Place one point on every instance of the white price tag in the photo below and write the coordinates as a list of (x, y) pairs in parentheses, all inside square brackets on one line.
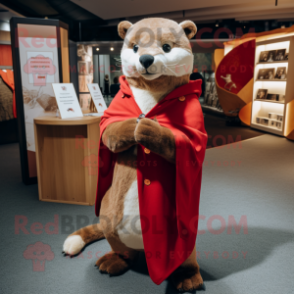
[(67, 100), (97, 97)]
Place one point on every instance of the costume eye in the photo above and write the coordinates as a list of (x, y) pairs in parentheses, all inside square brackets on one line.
[(166, 48), (135, 48)]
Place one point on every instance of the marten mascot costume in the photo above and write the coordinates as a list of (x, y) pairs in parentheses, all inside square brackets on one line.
[(152, 146)]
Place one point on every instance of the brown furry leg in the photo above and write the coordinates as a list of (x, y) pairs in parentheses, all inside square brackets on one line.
[(187, 277), (119, 260)]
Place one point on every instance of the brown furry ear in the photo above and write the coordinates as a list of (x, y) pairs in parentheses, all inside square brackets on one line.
[(123, 27), (189, 28)]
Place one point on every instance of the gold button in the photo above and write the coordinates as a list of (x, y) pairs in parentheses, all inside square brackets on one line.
[(182, 98), (147, 182), (146, 150)]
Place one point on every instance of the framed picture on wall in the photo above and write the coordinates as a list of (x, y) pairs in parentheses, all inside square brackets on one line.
[(263, 57), (281, 73), (273, 97), (261, 94), (271, 56), (266, 74), (280, 54)]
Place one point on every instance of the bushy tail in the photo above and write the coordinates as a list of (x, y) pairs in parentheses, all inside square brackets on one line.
[(75, 242)]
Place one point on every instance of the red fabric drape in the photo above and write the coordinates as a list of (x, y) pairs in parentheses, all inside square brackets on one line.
[(5, 55)]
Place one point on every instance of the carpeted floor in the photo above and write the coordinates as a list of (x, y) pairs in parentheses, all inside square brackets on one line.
[(253, 182)]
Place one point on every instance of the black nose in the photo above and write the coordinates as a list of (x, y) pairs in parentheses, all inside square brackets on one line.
[(146, 60)]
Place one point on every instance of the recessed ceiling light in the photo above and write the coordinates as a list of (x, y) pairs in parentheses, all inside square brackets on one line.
[(216, 24), (111, 48), (97, 49)]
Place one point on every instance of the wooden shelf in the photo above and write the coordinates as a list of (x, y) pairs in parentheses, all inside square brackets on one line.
[(274, 128), (269, 101), (273, 62), (273, 80), (267, 129)]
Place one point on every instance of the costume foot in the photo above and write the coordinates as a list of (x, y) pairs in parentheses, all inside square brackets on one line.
[(73, 245), (112, 264), (187, 279)]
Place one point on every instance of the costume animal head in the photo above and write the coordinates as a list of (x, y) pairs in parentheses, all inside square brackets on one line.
[(156, 51)]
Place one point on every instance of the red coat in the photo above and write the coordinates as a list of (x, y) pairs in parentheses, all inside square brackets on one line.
[(169, 206)]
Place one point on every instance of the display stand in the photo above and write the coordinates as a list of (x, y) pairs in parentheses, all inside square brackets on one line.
[(272, 112), (67, 159), (40, 58)]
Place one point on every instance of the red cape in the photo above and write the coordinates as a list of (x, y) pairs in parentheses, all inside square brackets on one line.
[(169, 206)]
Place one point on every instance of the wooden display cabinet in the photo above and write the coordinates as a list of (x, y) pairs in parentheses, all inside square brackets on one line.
[(274, 115), (67, 159)]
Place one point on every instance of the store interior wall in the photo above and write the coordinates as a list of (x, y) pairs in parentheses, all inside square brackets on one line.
[(104, 69), (102, 65), (73, 61), (96, 66), (106, 61)]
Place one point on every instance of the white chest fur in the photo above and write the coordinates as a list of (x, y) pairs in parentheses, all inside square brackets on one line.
[(145, 100), (129, 229)]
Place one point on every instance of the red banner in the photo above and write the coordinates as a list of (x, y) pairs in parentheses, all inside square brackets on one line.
[(236, 68)]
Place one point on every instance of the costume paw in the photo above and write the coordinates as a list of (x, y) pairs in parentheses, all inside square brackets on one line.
[(146, 130), (73, 245), (185, 282), (112, 264), (119, 136), (158, 139)]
